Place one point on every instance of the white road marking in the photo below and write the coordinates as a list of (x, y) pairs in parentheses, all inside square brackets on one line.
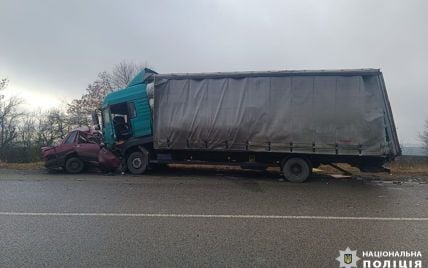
[(225, 216)]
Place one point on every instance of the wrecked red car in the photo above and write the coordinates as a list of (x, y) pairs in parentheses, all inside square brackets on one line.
[(78, 150)]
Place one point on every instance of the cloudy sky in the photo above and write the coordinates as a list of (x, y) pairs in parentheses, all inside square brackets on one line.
[(50, 49)]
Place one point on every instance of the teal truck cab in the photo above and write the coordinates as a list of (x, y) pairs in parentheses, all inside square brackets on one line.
[(296, 120), (127, 124)]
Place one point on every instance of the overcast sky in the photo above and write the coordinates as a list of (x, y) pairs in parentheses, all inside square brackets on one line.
[(50, 49)]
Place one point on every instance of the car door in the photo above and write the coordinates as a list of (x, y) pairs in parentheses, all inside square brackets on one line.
[(86, 149), (66, 147)]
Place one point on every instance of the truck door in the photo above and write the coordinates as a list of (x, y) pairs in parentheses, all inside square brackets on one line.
[(108, 131)]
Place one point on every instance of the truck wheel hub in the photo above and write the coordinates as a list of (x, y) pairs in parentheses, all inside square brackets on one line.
[(137, 162), (296, 169)]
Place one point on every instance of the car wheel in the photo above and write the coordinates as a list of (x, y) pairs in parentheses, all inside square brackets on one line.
[(296, 169), (137, 162), (74, 165)]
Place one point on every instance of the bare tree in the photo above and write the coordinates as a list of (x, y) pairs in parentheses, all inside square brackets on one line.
[(27, 130), (424, 135), (124, 72), (3, 83), (105, 82), (26, 148), (52, 127), (9, 116), (9, 119), (79, 110), (78, 113)]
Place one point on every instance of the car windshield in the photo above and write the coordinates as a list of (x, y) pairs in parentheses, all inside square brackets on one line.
[(71, 138)]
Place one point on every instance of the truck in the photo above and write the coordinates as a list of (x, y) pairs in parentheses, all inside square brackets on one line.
[(296, 120)]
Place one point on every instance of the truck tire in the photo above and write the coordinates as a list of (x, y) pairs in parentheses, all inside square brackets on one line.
[(296, 169), (137, 162), (74, 165)]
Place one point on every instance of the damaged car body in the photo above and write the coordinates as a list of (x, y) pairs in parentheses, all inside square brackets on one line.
[(79, 149)]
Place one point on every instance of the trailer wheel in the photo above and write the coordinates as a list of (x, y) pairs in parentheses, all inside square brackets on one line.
[(296, 169), (137, 162), (74, 165)]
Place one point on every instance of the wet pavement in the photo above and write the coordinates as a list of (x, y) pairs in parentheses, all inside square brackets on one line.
[(198, 218)]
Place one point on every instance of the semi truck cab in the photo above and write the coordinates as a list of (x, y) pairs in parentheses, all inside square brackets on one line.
[(127, 123), (126, 113)]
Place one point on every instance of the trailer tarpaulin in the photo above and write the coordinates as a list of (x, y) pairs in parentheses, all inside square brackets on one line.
[(329, 112)]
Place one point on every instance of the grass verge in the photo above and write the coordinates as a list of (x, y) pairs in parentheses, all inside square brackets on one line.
[(22, 166)]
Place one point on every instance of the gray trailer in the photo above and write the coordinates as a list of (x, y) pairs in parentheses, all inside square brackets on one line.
[(294, 119)]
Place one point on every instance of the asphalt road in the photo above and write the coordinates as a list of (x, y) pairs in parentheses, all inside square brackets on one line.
[(203, 218)]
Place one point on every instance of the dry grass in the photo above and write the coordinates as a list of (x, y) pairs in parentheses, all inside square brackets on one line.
[(410, 164), (409, 168), (400, 166), (22, 166)]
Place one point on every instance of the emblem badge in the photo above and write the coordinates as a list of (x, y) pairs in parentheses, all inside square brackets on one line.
[(348, 258)]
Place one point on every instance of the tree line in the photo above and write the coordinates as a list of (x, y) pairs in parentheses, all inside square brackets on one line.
[(23, 133)]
